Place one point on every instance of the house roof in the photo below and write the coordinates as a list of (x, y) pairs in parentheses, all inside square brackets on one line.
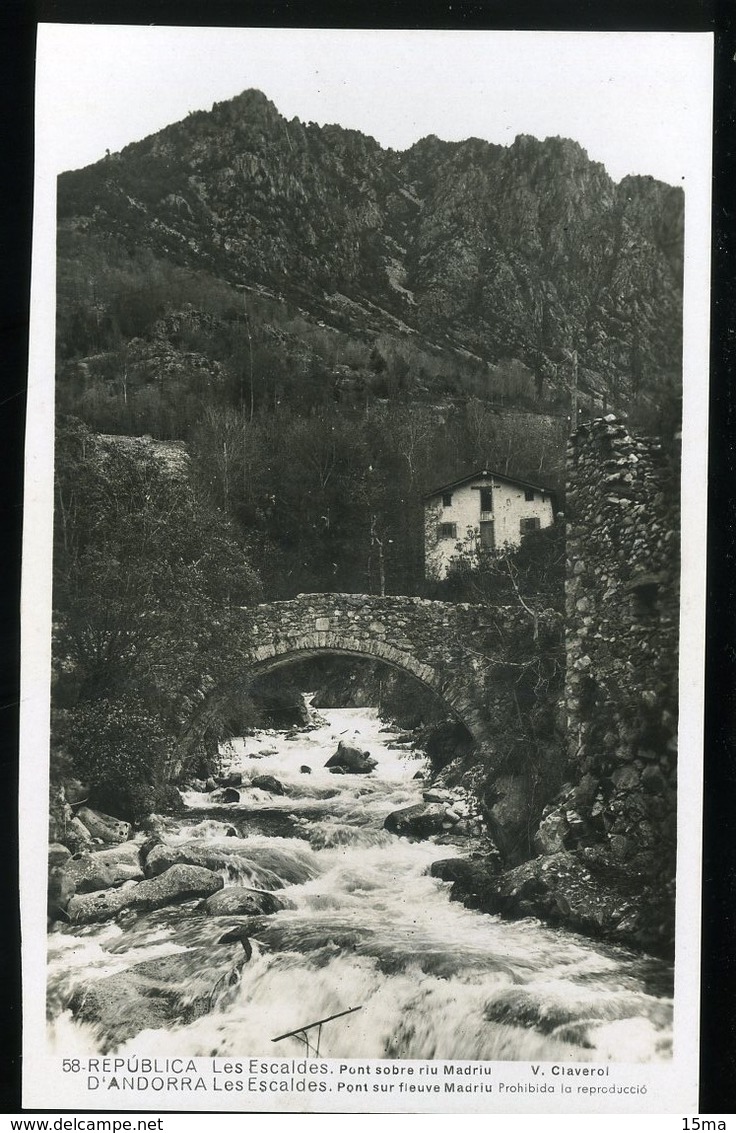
[(486, 473)]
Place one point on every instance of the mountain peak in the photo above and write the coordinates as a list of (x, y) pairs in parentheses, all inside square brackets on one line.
[(251, 103), (253, 98)]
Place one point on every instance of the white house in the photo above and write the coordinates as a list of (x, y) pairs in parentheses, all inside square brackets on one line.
[(486, 510)]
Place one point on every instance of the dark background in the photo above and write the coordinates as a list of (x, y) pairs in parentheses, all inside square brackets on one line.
[(18, 20)]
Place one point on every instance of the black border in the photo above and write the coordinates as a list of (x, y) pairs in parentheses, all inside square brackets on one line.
[(17, 33), (718, 971), (18, 22)]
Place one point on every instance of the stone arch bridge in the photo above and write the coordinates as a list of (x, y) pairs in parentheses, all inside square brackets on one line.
[(448, 647)]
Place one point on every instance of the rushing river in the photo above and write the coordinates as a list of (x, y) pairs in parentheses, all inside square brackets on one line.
[(365, 926)]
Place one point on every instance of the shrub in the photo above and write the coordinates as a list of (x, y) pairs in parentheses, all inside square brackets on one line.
[(121, 750)]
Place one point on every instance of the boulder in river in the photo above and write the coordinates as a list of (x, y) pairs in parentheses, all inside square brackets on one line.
[(351, 760), (233, 857), (225, 795), (473, 879), (268, 783), (239, 900), (305, 769), (104, 826), (179, 883), (105, 869), (232, 779), (158, 993), (162, 857), (419, 821)]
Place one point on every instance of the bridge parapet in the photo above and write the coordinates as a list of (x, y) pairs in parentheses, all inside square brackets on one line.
[(412, 621)]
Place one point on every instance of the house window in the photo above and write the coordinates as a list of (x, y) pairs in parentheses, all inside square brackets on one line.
[(527, 525), (447, 531), (528, 494), (486, 499), (447, 499)]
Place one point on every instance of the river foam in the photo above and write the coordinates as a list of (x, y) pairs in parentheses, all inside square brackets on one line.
[(363, 925)]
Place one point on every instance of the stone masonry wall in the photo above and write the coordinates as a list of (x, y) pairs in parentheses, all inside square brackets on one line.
[(622, 598), (442, 644)]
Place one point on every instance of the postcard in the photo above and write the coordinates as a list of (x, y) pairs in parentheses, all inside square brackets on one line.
[(364, 571)]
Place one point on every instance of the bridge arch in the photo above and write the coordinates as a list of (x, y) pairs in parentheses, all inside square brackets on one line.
[(427, 640), (458, 702)]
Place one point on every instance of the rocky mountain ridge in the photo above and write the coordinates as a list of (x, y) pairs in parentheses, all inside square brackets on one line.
[(528, 252)]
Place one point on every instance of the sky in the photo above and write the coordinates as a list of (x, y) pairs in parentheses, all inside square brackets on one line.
[(638, 102)]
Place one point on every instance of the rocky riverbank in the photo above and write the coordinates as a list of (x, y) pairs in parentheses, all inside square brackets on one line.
[(583, 891), (163, 870), (586, 890), (134, 872)]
